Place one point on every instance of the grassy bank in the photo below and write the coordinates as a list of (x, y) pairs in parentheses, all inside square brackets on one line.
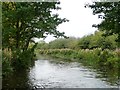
[(95, 57)]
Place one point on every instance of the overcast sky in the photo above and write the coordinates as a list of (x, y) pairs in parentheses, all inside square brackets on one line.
[(80, 19)]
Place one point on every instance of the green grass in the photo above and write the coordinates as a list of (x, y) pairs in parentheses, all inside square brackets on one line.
[(95, 57)]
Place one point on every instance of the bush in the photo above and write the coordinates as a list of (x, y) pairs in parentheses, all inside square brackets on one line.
[(22, 60)]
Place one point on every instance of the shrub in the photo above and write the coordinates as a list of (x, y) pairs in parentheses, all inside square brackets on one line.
[(22, 60)]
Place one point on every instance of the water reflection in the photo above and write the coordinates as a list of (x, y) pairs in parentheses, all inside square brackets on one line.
[(51, 74), (60, 74)]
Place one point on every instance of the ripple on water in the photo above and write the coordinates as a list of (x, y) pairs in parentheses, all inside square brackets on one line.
[(51, 74)]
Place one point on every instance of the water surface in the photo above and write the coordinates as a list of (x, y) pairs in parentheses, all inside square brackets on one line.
[(57, 74)]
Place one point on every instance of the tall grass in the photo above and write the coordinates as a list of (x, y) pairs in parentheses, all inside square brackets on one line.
[(95, 57), (16, 60)]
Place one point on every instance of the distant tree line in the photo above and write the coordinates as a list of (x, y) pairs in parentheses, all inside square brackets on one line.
[(96, 40)]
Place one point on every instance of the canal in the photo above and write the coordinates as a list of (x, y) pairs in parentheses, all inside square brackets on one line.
[(45, 73)]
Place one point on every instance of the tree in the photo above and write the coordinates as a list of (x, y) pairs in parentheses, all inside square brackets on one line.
[(71, 43), (110, 13), (99, 41), (58, 43), (84, 42), (42, 45), (23, 21)]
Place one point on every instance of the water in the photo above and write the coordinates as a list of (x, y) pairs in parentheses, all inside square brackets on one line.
[(57, 74)]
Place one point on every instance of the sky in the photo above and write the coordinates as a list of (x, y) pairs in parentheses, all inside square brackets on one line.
[(80, 19)]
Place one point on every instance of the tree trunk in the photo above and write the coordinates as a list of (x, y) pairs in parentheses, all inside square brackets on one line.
[(17, 34), (26, 44)]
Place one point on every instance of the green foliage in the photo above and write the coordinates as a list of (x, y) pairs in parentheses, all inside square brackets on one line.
[(42, 45), (97, 41), (21, 23), (94, 58), (60, 43), (84, 42), (26, 20), (110, 13), (23, 60), (94, 49)]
